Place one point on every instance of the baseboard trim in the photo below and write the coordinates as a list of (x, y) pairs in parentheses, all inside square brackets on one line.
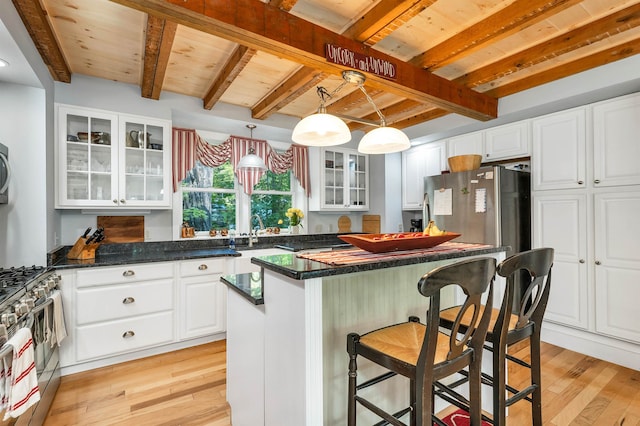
[(606, 348)]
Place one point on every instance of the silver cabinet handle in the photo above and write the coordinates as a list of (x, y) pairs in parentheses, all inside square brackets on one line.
[(596, 181), (128, 300), (127, 334), (598, 262), (580, 182), (115, 201), (581, 261), (123, 201), (203, 267), (128, 273)]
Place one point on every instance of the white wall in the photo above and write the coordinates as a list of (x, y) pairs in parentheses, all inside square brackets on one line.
[(23, 228)]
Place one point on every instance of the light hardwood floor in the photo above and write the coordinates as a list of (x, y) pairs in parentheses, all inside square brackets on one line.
[(187, 387)]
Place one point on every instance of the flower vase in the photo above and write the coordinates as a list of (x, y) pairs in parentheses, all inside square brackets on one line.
[(295, 229)]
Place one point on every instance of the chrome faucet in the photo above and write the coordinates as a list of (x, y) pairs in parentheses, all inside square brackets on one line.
[(253, 234), (259, 221)]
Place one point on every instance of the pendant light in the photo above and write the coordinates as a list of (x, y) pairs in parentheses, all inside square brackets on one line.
[(251, 162), (323, 129)]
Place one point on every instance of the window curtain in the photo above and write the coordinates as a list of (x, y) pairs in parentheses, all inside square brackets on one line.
[(188, 147)]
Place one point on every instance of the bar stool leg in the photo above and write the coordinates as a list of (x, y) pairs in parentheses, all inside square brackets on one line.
[(499, 384), (536, 380), (353, 375)]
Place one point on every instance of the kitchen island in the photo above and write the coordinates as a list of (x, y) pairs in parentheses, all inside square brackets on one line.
[(286, 357)]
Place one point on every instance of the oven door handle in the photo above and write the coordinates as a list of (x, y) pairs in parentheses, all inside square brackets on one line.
[(5, 160)]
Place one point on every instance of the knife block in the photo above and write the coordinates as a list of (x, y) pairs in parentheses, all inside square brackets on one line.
[(82, 251)]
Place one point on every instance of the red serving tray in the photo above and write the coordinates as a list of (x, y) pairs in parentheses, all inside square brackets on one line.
[(381, 243)]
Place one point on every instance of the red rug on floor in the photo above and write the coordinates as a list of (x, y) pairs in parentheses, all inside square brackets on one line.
[(460, 418)]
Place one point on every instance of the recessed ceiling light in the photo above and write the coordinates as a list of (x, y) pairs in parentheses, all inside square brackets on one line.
[(3, 63)]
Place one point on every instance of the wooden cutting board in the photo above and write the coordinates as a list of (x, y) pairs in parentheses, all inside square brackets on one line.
[(122, 229), (344, 224), (371, 223)]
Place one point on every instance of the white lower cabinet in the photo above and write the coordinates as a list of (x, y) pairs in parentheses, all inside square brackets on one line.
[(118, 313), (617, 264), (203, 298), (593, 303)]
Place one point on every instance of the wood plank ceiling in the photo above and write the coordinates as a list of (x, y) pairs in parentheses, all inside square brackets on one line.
[(451, 55)]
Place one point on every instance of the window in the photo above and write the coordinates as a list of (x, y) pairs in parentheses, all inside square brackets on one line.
[(209, 197), (213, 199)]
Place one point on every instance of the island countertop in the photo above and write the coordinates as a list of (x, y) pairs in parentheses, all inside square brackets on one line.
[(300, 268)]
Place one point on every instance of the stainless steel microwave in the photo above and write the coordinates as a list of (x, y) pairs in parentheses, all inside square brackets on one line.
[(5, 174)]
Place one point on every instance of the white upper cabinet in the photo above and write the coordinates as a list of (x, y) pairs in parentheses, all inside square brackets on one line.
[(417, 163), (559, 150), (508, 141), (471, 143), (343, 177), (616, 133), (106, 159)]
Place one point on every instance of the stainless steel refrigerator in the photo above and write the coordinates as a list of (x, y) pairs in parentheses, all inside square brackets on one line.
[(490, 205)]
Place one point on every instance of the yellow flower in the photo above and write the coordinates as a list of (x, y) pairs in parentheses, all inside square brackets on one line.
[(280, 222), (294, 215)]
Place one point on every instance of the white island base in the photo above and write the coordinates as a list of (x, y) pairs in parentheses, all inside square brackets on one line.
[(287, 360)]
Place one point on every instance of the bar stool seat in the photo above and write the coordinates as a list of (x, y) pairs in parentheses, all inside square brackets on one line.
[(421, 352)]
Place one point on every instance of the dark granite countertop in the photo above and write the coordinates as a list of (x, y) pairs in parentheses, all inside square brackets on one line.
[(298, 268), (167, 251), (247, 285)]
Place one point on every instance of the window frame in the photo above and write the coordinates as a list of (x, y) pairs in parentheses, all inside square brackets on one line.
[(243, 200)]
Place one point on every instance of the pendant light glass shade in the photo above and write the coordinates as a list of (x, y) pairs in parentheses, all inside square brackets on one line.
[(251, 162), (384, 140), (321, 129)]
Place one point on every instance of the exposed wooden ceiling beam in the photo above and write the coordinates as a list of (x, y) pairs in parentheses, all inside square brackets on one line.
[(585, 35), (384, 18), (393, 113), (157, 48), (260, 26), (603, 57), (235, 64), (293, 87), (513, 18), (286, 5), (35, 21), (430, 114)]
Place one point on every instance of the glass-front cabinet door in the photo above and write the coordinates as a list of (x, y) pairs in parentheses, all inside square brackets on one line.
[(345, 179), (144, 166), (87, 157), (112, 160)]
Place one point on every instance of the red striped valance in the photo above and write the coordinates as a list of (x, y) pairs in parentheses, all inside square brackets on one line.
[(188, 147)]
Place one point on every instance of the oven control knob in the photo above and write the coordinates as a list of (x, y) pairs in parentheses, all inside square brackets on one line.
[(20, 309), (9, 319), (40, 292), (30, 302)]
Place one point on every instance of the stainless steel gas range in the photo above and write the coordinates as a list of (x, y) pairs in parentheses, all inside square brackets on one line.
[(25, 302)]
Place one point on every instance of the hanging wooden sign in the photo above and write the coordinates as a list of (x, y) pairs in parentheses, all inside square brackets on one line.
[(358, 61)]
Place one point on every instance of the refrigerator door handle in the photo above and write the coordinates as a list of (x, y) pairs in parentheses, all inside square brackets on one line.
[(426, 209)]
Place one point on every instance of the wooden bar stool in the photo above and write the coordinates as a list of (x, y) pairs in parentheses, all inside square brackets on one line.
[(506, 328), (424, 354)]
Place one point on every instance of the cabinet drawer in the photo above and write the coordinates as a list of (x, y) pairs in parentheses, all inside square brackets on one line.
[(105, 339), (196, 267), (119, 301), (124, 274)]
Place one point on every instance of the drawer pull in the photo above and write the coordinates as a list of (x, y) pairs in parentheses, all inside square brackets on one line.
[(128, 334), (203, 267), (128, 300), (128, 273)]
